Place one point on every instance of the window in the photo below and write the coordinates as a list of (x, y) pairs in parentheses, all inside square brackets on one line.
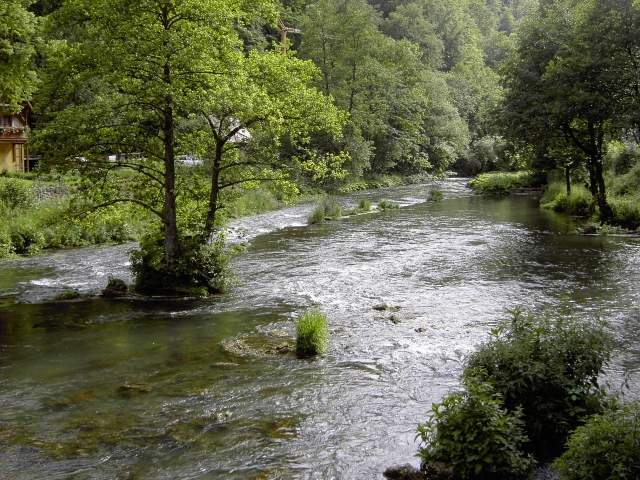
[(5, 121)]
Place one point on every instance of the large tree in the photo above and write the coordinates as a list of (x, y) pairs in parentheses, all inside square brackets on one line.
[(560, 90), (124, 79), (18, 78)]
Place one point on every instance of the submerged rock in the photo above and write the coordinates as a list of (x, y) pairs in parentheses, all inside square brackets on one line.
[(129, 390), (382, 307), (259, 345)]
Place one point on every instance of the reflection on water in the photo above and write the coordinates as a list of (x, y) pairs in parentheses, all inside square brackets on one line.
[(106, 389)]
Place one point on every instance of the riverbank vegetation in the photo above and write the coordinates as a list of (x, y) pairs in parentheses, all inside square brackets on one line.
[(570, 108), (533, 391)]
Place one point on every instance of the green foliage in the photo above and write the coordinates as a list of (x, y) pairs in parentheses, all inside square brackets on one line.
[(68, 294), (363, 207), (26, 237), (472, 432), (628, 183), (388, 205), (579, 203), (549, 369), (436, 196), (606, 447), (30, 226), (501, 183), (622, 157), (201, 268), (626, 211), (17, 37), (6, 245), (328, 209), (312, 333), (16, 193), (251, 202)]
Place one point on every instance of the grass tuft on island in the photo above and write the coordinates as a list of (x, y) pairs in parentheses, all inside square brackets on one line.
[(312, 333)]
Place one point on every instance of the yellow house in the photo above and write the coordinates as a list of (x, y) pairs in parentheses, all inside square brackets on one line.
[(13, 139)]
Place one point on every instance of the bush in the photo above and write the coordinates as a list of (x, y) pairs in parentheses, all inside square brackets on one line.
[(435, 196), (627, 184), (327, 209), (312, 333), (579, 203), (16, 193), (623, 157), (388, 205), (26, 238), (502, 183), (606, 447), (550, 370), (200, 269), (6, 246), (472, 432), (626, 211)]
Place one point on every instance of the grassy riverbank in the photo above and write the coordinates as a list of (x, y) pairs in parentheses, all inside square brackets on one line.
[(39, 213), (623, 195)]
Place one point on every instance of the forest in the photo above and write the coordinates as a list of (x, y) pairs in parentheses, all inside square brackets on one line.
[(324, 170)]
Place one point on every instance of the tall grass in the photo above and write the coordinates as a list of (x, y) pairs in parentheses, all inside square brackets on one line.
[(579, 203), (501, 183), (327, 209), (312, 333), (28, 226)]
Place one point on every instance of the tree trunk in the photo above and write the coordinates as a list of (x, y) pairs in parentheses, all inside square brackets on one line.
[(606, 213), (210, 221), (567, 178), (169, 211)]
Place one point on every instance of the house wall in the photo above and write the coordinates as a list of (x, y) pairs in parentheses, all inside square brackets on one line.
[(7, 163)]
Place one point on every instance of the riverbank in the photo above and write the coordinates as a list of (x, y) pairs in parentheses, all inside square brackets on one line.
[(624, 198), (40, 213)]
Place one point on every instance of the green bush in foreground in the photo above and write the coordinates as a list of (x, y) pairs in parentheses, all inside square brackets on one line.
[(312, 333), (327, 209), (474, 434), (606, 447), (501, 183), (549, 369)]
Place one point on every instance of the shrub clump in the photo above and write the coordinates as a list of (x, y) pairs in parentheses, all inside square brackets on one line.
[(388, 205), (200, 269), (549, 370), (606, 447), (312, 333), (116, 287), (502, 183), (474, 434), (327, 209), (363, 207), (626, 211), (579, 203), (435, 196)]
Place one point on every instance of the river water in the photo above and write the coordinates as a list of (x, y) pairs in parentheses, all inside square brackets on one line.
[(131, 389)]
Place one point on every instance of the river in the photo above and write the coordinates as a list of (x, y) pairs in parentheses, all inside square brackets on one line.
[(132, 389)]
